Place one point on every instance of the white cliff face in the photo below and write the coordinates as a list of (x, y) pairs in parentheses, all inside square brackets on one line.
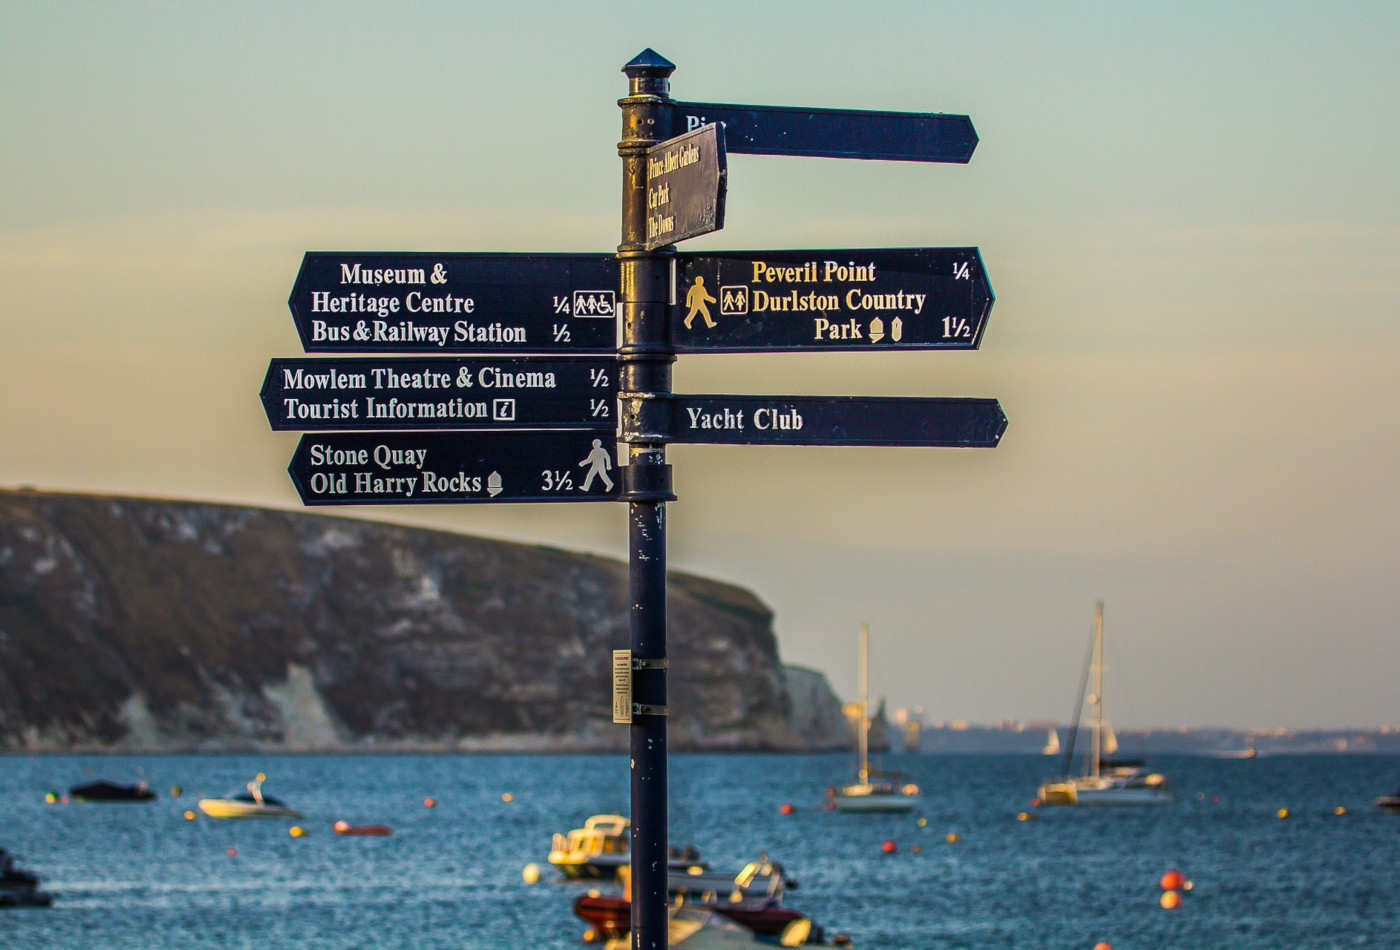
[(134, 624)]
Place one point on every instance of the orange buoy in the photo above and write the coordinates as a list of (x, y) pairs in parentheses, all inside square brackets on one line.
[(1173, 880), (1035, 802), (889, 847), (190, 816), (430, 802), (1102, 945), (231, 851), (1283, 812), (1171, 900), (1339, 810), (952, 837), (590, 935), (507, 797), (786, 808), (297, 831)]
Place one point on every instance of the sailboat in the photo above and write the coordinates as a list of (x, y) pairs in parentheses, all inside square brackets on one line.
[(872, 791), (1052, 742), (1108, 781)]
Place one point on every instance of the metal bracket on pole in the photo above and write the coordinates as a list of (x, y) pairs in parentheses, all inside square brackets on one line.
[(646, 483), (645, 417), (643, 709), (642, 663)]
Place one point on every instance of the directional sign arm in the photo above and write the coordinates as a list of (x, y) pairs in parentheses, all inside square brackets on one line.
[(822, 420), (835, 133)]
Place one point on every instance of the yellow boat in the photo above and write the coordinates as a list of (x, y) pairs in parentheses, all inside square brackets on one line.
[(250, 804)]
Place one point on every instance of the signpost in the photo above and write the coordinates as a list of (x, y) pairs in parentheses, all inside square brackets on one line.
[(864, 299), (686, 181), (557, 357), (559, 392), (437, 468), (376, 302)]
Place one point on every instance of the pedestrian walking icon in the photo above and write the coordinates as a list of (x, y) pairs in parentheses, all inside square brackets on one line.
[(598, 463), (696, 299)]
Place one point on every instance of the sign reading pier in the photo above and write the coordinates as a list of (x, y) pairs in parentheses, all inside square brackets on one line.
[(375, 302)]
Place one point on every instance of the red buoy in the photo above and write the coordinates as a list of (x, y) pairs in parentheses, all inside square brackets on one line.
[(786, 808), (1173, 880), (889, 847)]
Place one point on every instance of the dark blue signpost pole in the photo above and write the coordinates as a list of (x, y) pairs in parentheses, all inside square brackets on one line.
[(646, 358)]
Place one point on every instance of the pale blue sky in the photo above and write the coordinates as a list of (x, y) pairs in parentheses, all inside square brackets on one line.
[(1189, 212)]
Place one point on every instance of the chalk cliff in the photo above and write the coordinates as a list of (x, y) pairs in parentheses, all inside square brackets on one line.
[(136, 624)]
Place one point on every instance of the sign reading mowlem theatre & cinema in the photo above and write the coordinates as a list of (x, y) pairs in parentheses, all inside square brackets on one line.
[(378, 393), (456, 302), (887, 298)]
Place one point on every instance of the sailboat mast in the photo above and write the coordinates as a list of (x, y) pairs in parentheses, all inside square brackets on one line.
[(1098, 688), (863, 739)]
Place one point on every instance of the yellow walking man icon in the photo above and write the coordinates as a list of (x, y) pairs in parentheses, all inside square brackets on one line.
[(696, 298)]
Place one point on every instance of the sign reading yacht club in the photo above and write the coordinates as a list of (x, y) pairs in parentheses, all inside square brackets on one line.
[(560, 392), (438, 468), (836, 420), (863, 299), (377, 302), (686, 180)]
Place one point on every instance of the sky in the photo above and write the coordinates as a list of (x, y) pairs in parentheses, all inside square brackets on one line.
[(1189, 212)]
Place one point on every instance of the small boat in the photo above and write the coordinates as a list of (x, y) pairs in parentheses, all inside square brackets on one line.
[(699, 928), (363, 831), (1389, 802), (753, 898), (1249, 752), (599, 848), (250, 804), (18, 887), (1108, 781), (611, 917), (1052, 742), (873, 790), (101, 791)]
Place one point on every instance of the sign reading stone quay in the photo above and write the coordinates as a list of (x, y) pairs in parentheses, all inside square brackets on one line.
[(837, 420), (686, 180), (561, 392), (374, 302), (436, 468), (887, 298)]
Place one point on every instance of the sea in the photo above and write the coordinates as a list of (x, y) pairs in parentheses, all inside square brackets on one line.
[(1281, 852)]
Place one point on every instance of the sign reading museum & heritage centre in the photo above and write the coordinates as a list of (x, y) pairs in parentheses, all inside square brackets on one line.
[(376, 302), (865, 299), (437, 468), (559, 392), (686, 180), (946, 422)]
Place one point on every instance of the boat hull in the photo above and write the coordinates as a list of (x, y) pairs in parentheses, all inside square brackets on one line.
[(875, 803), (611, 917), (228, 808)]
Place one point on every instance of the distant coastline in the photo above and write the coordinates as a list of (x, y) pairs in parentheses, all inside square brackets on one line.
[(1225, 743)]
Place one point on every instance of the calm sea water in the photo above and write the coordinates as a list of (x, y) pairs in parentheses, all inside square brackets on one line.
[(142, 876)]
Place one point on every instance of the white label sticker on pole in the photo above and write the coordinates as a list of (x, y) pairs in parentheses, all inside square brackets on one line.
[(622, 686)]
